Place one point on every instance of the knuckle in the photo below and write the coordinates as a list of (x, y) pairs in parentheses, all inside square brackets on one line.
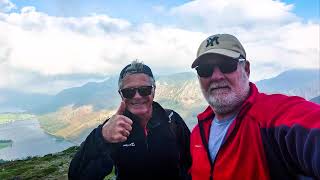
[(119, 129), (119, 122), (123, 138)]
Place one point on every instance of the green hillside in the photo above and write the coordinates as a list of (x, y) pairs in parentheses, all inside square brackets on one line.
[(51, 166)]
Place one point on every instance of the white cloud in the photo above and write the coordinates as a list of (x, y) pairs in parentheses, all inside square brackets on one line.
[(213, 14), (275, 39), (6, 6), (55, 45), (294, 45), (95, 44), (33, 42)]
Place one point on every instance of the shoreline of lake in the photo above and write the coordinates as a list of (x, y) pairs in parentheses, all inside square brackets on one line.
[(28, 140)]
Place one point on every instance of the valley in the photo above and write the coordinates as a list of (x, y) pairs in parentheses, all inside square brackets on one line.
[(73, 113), (61, 121)]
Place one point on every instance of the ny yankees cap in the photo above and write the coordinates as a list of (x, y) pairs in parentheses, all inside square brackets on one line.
[(221, 44)]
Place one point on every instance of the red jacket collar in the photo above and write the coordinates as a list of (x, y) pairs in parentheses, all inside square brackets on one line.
[(248, 102)]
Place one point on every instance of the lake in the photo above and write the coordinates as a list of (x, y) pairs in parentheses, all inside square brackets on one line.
[(29, 140)]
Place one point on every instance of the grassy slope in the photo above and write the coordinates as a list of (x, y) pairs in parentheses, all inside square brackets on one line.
[(51, 166), (69, 123)]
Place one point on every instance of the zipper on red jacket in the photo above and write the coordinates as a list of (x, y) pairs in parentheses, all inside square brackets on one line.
[(230, 131), (205, 143)]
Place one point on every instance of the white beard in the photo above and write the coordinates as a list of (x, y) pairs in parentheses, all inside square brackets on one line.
[(226, 103)]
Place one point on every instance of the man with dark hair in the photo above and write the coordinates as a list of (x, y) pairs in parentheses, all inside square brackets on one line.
[(245, 134), (142, 139)]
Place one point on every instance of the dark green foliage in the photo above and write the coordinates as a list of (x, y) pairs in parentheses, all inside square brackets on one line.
[(2, 161), (6, 141), (50, 166)]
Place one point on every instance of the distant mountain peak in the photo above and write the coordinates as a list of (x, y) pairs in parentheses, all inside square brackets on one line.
[(300, 82)]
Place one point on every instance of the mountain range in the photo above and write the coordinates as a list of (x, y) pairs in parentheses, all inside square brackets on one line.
[(316, 100), (298, 82), (73, 112)]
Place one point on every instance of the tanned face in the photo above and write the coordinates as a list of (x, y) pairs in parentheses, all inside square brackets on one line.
[(138, 105)]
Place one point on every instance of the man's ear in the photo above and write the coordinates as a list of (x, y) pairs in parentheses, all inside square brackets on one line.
[(121, 95), (154, 91), (247, 68)]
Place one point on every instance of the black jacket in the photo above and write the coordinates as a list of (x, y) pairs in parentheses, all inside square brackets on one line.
[(162, 154)]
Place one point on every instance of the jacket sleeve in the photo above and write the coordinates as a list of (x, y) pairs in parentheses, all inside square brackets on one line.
[(294, 128), (184, 144), (93, 159)]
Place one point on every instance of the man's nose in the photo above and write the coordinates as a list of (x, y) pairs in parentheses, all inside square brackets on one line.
[(217, 74), (137, 94)]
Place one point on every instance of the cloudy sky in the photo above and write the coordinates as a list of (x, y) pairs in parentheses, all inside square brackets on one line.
[(49, 45)]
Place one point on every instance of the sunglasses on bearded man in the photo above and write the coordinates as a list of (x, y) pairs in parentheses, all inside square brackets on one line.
[(226, 66), (129, 93)]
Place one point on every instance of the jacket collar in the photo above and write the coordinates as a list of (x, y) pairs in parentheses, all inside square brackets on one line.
[(208, 113)]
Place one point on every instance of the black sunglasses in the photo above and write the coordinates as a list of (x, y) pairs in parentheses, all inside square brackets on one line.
[(225, 66), (129, 93)]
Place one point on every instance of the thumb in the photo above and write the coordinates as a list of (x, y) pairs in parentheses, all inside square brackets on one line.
[(121, 108)]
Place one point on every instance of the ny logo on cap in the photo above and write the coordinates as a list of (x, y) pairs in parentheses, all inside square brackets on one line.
[(210, 41)]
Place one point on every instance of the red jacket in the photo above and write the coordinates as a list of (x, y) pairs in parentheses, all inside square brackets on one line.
[(272, 137)]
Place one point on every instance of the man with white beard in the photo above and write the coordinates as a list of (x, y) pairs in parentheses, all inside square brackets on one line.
[(245, 134)]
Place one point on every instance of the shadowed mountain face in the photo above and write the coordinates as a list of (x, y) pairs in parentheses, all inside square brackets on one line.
[(12, 100), (316, 100), (73, 112), (177, 90), (99, 95), (180, 89), (302, 82)]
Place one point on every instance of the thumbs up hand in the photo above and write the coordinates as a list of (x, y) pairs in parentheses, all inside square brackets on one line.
[(118, 127)]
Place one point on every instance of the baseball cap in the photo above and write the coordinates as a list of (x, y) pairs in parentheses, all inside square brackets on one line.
[(130, 69), (221, 44)]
